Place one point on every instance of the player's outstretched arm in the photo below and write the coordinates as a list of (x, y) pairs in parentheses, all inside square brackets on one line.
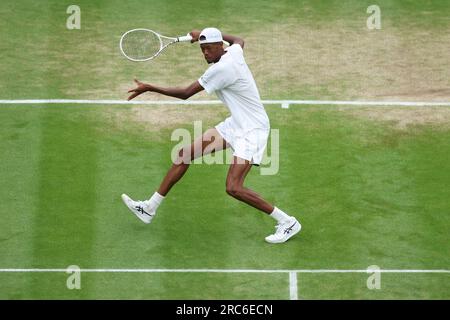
[(181, 93)]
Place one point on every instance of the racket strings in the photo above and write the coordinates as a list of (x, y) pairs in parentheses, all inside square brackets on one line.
[(141, 44)]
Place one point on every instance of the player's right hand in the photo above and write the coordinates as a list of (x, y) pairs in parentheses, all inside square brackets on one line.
[(194, 34)]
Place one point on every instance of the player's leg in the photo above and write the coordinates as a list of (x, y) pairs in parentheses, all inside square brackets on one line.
[(235, 186), (211, 141), (287, 226)]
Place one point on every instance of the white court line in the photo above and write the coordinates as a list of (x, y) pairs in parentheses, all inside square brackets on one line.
[(293, 290), (284, 103), (229, 270), (81, 101), (293, 286)]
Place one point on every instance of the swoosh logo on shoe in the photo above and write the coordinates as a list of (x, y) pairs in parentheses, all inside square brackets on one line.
[(289, 229), (141, 210)]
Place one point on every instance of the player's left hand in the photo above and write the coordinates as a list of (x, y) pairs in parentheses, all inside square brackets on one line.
[(141, 88)]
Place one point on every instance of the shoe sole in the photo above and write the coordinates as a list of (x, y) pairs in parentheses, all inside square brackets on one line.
[(295, 230), (126, 199)]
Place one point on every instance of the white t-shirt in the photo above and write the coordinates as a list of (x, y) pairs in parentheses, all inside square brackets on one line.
[(232, 81)]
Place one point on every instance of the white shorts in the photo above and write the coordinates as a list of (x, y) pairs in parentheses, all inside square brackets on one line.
[(247, 145)]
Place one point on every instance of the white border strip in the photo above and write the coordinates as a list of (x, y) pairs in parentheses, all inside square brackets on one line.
[(228, 270), (284, 103)]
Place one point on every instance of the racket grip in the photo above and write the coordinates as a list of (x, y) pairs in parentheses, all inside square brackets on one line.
[(185, 38)]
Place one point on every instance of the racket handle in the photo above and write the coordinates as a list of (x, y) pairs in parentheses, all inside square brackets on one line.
[(185, 38)]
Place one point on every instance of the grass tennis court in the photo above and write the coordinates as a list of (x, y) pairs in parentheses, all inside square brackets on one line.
[(369, 184)]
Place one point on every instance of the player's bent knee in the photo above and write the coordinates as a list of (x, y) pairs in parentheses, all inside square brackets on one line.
[(184, 156), (233, 190)]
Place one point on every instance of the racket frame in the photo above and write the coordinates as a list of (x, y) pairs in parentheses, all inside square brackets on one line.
[(160, 37)]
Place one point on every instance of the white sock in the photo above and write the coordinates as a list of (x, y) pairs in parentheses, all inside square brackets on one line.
[(279, 215), (155, 200)]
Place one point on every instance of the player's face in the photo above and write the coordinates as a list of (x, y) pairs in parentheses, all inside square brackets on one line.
[(212, 51)]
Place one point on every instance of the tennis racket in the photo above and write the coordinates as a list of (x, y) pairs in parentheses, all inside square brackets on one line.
[(144, 44)]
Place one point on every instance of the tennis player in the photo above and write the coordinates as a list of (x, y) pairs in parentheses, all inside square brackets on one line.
[(246, 131)]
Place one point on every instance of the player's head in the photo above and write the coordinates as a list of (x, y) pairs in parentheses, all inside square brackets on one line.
[(211, 43)]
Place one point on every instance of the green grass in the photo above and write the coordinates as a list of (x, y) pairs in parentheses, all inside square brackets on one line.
[(380, 202), (43, 59), (366, 192), (392, 286)]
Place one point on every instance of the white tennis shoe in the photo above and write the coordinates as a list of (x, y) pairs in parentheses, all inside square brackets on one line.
[(141, 209), (285, 231)]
